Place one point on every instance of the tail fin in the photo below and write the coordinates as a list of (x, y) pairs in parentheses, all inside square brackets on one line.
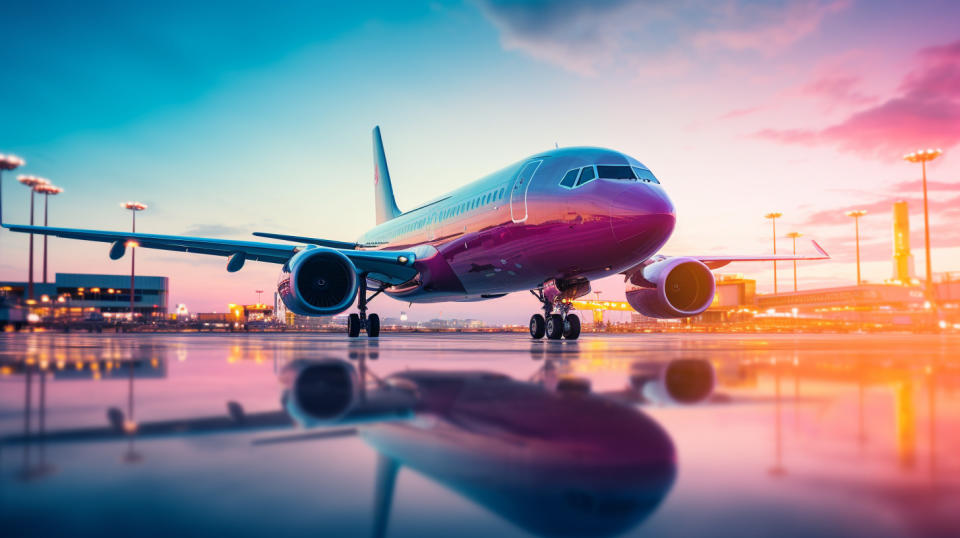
[(383, 189)]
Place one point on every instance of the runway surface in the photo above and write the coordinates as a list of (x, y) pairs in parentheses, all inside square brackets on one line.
[(846, 435)]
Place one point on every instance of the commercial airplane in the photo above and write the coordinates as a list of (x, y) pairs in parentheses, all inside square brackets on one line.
[(549, 224)]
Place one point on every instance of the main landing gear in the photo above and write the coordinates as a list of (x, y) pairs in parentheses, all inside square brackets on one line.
[(362, 321), (554, 325)]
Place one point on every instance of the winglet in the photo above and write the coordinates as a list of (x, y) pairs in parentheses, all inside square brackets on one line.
[(820, 249)]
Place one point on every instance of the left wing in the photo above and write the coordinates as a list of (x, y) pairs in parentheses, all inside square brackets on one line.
[(388, 266)]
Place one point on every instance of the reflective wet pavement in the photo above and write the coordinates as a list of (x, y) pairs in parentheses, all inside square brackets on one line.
[(827, 434)]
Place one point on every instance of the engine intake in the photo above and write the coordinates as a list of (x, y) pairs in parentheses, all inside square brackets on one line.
[(680, 381), (318, 281), (671, 288), (329, 391)]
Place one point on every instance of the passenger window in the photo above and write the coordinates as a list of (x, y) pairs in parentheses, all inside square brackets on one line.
[(586, 175), (570, 178), (645, 175)]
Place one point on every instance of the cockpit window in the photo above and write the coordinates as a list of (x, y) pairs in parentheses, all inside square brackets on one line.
[(586, 175), (645, 175), (570, 178), (608, 171)]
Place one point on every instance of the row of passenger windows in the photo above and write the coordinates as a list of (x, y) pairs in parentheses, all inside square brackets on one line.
[(579, 176), (447, 213)]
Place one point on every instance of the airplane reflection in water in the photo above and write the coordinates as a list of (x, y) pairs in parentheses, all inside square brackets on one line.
[(545, 454)]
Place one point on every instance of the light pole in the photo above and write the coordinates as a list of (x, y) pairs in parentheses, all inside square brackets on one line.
[(133, 207), (794, 236), (856, 219), (773, 219), (922, 156), (46, 190), (7, 162), (259, 292), (33, 182)]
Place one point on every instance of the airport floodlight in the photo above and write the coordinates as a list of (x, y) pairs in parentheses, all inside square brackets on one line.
[(922, 156), (773, 219), (33, 182), (7, 162), (10, 162), (856, 214), (794, 236), (133, 207), (46, 190)]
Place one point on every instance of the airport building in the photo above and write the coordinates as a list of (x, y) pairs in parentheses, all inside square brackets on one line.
[(80, 294)]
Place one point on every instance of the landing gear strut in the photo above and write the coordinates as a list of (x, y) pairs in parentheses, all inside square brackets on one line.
[(361, 321), (554, 325)]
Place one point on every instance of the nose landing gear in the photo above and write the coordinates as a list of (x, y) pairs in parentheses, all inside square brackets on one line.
[(554, 325), (361, 321)]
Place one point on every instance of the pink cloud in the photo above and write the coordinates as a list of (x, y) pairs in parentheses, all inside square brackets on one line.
[(926, 113), (739, 113), (838, 87), (837, 215), (916, 185)]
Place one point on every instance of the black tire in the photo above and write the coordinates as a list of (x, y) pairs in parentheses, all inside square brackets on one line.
[(571, 327), (373, 325), (555, 327), (538, 327), (353, 325)]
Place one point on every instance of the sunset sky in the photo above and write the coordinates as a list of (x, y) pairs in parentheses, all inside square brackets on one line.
[(233, 117)]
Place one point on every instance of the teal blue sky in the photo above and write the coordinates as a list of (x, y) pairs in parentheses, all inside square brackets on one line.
[(233, 117)]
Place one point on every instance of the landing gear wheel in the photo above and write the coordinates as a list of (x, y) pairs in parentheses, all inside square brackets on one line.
[(538, 327), (373, 325), (571, 327), (555, 327), (353, 325)]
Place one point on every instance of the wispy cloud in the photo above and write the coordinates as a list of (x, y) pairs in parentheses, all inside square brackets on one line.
[(767, 28), (588, 36), (214, 230)]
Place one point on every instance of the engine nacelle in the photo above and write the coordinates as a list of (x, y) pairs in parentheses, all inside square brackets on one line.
[(318, 281), (329, 391), (680, 381), (671, 288)]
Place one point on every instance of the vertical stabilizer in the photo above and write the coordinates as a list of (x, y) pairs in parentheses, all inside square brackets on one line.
[(383, 189)]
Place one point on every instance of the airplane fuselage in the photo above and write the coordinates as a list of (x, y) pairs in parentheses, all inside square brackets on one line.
[(518, 228)]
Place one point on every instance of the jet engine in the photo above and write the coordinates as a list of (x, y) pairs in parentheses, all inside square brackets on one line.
[(680, 381), (318, 281), (671, 288), (329, 392)]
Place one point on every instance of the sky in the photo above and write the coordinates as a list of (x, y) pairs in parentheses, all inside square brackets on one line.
[(233, 117)]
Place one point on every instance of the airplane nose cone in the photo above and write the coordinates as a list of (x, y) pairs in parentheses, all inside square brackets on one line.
[(641, 217)]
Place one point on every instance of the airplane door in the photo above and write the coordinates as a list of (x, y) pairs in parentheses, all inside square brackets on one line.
[(518, 194), (432, 227)]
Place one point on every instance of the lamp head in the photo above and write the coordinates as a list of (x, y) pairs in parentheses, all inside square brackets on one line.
[(10, 162)]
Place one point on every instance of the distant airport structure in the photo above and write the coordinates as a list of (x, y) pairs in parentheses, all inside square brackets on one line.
[(902, 258), (79, 294)]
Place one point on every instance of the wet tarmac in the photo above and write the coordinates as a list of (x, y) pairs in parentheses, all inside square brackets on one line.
[(480, 435)]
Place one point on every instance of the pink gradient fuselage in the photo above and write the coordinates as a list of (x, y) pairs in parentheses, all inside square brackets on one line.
[(530, 231)]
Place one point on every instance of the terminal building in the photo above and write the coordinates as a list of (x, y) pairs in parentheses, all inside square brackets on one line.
[(80, 294)]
